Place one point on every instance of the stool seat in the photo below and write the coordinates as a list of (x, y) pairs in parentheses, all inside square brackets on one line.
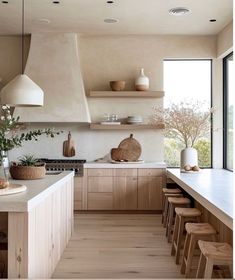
[(187, 212), (216, 250), (165, 190), (179, 200), (200, 228)]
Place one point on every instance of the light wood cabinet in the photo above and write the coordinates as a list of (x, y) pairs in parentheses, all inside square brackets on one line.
[(124, 189), (36, 239), (78, 193), (149, 193), (100, 192), (125, 193)]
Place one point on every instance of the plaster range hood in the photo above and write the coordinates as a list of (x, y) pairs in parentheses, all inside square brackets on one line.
[(53, 63)]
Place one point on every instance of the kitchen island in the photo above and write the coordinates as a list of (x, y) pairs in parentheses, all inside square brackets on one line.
[(39, 225), (212, 190)]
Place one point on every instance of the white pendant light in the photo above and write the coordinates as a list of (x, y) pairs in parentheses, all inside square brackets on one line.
[(22, 91)]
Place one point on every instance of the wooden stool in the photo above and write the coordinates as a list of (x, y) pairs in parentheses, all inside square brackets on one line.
[(173, 203), (166, 206), (195, 232), (183, 216), (164, 192), (213, 253)]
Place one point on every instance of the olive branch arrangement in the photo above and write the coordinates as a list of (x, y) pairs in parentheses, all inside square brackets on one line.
[(9, 132)]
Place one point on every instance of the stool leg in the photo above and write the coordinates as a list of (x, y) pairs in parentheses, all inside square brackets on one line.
[(201, 267), (170, 222), (208, 269), (163, 206), (192, 244), (175, 234), (179, 240), (165, 213), (185, 253)]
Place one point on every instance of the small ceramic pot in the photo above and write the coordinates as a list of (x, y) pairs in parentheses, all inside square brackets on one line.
[(142, 82)]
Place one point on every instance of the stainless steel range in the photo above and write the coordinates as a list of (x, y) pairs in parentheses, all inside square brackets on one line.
[(65, 164)]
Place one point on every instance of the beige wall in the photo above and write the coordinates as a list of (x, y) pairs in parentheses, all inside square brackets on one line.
[(225, 41), (106, 58)]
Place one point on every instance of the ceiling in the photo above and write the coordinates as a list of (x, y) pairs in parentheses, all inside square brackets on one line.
[(135, 16)]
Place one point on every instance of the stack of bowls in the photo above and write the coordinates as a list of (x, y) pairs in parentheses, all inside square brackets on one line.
[(134, 119)]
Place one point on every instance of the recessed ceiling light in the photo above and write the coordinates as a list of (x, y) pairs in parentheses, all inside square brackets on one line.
[(5, 2), (42, 21), (111, 20), (56, 2), (110, 2), (179, 11), (213, 20)]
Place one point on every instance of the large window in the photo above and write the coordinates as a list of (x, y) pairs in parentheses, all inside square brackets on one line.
[(228, 111), (187, 83)]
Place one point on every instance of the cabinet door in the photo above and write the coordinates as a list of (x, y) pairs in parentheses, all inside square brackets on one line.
[(100, 193), (149, 193), (125, 193), (78, 187)]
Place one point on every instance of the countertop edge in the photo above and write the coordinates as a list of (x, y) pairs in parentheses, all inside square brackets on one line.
[(219, 213), (102, 165)]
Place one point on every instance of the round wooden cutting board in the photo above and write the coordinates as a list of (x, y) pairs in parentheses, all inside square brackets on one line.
[(131, 148)]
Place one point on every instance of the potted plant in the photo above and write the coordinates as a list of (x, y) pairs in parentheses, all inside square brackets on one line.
[(186, 122), (12, 135), (28, 168)]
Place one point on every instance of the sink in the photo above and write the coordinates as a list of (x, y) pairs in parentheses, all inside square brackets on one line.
[(53, 172)]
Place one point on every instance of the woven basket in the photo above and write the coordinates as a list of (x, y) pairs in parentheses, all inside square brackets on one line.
[(19, 172)]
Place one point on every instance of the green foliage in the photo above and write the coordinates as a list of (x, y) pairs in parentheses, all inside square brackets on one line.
[(28, 160), (172, 148), (204, 152), (9, 138)]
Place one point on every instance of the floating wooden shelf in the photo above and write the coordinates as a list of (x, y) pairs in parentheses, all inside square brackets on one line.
[(126, 126), (134, 94)]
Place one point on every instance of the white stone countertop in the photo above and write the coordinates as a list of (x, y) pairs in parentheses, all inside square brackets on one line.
[(213, 188), (124, 165), (36, 191)]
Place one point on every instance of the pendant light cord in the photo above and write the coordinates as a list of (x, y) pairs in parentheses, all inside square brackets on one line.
[(22, 39)]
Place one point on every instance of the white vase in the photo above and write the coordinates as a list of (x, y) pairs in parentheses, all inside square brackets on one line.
[(142, 82), (188, 156)]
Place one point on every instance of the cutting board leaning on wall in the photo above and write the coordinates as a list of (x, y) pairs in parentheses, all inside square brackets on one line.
[(69, 147)]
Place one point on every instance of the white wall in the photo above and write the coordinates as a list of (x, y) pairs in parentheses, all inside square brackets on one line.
[(106, 58)]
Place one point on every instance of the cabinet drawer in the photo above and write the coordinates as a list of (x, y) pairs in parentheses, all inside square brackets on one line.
[(125, 172), (154, 172), (100, 172), (100, 201), (100, 184)]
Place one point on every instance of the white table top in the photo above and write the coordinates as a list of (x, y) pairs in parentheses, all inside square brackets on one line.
[(36, 191), (124, 165), (213, 188)]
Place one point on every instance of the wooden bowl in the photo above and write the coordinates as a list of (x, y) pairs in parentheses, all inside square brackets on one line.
[(117, 85)]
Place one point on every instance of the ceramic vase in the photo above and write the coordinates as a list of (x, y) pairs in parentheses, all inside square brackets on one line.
[(4, 166), (188, 156), (142, 82)]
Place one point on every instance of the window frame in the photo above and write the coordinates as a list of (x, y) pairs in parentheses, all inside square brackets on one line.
[(225, 111), (211, 99)]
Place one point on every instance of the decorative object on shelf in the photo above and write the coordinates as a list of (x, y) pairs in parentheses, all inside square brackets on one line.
[(134, 119), (69, 147), (117, 85), (9, 138), (22, 91), (28, 168), (187, 122), (142, 82), (128, 150)]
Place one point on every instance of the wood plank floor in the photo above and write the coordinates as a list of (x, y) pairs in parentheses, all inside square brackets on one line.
[(117, 246)]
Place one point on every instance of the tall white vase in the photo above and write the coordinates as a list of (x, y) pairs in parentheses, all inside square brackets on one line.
[(188, 156), (142, 82)]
